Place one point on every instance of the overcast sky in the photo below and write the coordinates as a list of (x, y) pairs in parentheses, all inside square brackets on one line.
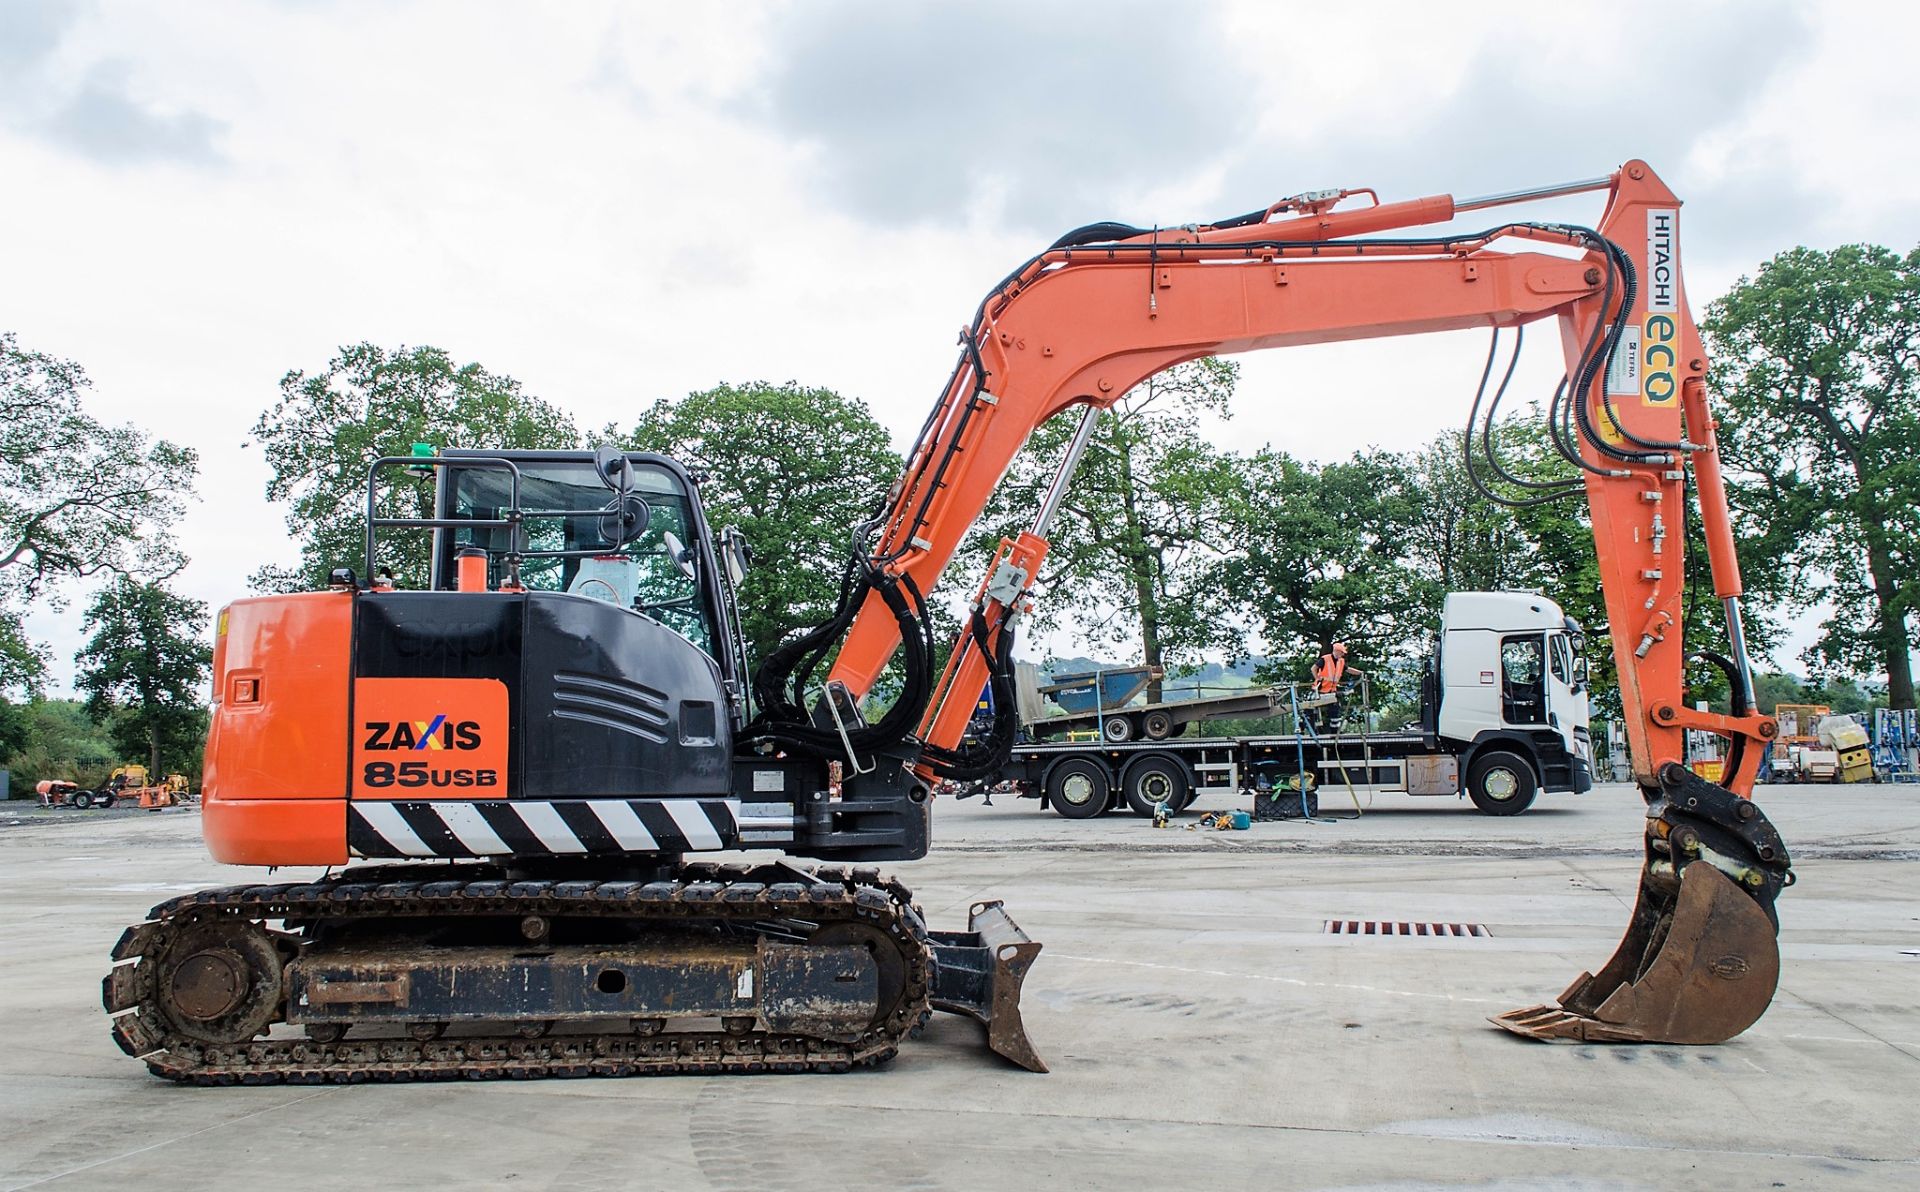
[(616, 203)]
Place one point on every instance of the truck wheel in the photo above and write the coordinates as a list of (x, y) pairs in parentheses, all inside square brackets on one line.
[(1501, 783), (1156, 778), (1078, 788), (81, 799), (1117, 729), (105, 799), (1157, 725)]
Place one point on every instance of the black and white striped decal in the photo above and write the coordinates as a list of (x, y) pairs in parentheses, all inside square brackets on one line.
[(516, 827)]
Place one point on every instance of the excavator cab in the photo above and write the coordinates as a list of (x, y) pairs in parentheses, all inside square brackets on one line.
[(652, 555)]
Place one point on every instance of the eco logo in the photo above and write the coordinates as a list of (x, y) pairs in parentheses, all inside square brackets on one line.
[(1660, 328)]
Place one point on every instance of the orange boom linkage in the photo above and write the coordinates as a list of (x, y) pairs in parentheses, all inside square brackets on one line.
[(1108, 306)]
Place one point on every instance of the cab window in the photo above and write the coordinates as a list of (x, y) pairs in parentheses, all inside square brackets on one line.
[(561, 503), (1523, 679)]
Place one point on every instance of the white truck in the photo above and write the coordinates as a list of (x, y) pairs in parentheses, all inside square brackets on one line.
[(1503, 716)]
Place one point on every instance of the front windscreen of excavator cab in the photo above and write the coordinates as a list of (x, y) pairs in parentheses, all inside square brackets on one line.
[(569, 533)]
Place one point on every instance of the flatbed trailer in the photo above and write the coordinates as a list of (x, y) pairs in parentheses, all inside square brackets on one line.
[(1502, 774)]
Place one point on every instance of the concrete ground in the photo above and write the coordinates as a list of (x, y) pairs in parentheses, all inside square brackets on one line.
[(1204, 1032)]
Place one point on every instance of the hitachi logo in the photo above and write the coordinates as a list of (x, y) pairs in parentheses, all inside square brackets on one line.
[(1663, 264)]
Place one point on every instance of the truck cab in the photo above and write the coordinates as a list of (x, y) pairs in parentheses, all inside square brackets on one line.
[(1507, 683)]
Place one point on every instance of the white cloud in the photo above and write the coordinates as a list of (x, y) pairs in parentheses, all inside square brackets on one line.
[(615, 204)]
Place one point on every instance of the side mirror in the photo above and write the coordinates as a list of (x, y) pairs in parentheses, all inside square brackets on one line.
[(678, 552), (735, 554), (615, 469), (624, 519)]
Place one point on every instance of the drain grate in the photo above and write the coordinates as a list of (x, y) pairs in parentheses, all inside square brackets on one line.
[(1378, 927)]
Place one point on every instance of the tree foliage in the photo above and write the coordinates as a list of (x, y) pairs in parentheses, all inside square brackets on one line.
[(1772, 688), (795, 468), (78, 498), (54, 738), (1815, 362), (16, 728), (368, 401), (1322, 558), (1460, 540), (1141, 528), (143, 668)]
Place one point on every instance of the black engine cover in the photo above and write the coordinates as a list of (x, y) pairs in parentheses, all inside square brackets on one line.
[(601, 701)]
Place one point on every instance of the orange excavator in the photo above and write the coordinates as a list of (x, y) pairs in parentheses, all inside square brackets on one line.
[(520, 760)]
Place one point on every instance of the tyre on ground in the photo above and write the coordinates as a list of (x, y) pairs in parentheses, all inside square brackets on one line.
[(1501, 783), (1079, 788), (81, 799), (1156, 778)]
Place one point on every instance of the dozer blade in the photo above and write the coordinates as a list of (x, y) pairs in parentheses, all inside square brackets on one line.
[(1700, 959), (979, 972)]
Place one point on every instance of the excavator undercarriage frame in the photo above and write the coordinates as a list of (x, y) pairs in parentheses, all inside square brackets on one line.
[(404, 973)]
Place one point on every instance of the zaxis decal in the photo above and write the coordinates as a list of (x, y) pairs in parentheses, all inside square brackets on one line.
[(427, 738)]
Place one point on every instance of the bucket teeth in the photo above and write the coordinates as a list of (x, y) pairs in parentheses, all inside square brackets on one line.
[(1552, 1022)]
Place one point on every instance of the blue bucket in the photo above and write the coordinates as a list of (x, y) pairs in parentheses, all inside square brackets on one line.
[(1241, 821)]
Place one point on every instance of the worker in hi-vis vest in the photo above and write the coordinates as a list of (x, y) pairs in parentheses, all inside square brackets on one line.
[(1327, 674)]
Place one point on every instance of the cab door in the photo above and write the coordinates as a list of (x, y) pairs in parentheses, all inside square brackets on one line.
[(1523, 678)]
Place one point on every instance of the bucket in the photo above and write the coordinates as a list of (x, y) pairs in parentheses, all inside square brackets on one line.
[(1241, 821)]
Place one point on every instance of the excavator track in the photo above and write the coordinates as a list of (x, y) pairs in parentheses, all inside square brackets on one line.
[(160, 1002)]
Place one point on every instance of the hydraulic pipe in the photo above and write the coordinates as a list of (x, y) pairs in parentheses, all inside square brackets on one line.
[(1554, 191), (1057, 491)]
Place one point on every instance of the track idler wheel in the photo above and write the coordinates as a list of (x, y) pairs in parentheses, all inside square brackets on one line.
[(1700, 959), (221, 981)]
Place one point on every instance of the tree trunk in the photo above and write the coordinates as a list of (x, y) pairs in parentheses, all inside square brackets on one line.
[(153, 753), (1149, 633), (1140, 570), (1896, 643)]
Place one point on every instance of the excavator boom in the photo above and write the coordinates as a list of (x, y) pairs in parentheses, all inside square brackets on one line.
[(1107, 306)]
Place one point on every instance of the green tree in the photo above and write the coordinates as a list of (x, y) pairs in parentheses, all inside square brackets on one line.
[(368, 402), (1771, 689), (1324, 559), (1132, 549), (1844, 695), (78, 498), (16, 728), (143, 669), (1462, 541), (795, 468), (1815, 361), (62, 741)]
